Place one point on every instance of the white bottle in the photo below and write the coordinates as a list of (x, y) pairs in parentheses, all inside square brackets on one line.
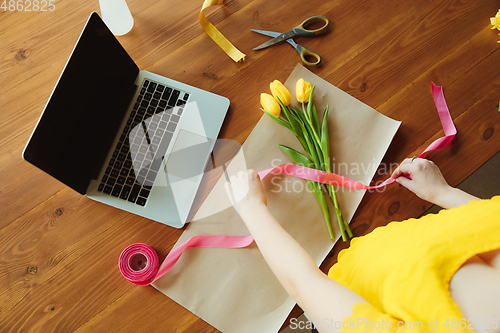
[(117, 16)]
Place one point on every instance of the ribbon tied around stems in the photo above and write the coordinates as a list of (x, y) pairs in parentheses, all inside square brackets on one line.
[(337, 180), (138, 263)]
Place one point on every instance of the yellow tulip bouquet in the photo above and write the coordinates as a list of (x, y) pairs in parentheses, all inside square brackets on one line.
[(312, 135)]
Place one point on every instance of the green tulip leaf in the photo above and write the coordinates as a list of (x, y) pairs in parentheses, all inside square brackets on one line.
[(313, 114), (278, 120), (325, 140), (297, 157)]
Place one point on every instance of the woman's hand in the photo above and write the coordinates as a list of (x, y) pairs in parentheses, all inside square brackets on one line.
[(423, 178), (245, 191)]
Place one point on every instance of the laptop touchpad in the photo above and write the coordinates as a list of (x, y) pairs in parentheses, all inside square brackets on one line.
[(188, 156)]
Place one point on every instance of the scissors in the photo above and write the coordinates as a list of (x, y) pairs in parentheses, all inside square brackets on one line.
[(305, 54), (299, 30)]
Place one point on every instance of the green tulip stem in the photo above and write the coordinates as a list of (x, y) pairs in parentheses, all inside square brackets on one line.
[(303, 160), (309, 121), (320, 196), (344, 227), (320, 155)]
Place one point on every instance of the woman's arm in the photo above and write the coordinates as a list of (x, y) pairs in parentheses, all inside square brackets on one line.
[(428, 183), (323, 299)]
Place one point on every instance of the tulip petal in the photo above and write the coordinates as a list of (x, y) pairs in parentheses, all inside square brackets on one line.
[(302, 90), (270, 105), (280, 92)]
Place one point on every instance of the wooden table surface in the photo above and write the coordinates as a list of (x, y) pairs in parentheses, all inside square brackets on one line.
[(59, 250)]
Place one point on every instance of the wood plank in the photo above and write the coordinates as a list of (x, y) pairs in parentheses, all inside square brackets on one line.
[(382, 69), (134, 310)]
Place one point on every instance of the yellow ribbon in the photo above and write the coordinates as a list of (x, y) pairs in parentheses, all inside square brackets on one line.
[(212, 31)]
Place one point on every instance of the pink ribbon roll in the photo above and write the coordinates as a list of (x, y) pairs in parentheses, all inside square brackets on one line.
[(138, 263)]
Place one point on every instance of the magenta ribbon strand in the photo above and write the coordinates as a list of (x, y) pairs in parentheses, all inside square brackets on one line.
[(150, 273)]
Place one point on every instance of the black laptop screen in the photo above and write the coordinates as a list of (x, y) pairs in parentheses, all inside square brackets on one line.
[(85, 110)]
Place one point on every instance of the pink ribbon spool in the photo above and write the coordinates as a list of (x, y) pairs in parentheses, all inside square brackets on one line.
[(138, 263)]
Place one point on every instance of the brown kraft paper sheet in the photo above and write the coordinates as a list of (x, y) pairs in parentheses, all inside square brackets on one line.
[(233, 289)]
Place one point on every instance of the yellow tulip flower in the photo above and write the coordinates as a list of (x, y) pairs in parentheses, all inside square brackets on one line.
[(279, 91), (302, 90), (270, 105), (495, 21)]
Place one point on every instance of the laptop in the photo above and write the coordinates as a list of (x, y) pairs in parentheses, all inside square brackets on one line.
[(124, 137)]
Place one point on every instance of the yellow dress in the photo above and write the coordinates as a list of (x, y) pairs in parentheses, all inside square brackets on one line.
[(404, 269)]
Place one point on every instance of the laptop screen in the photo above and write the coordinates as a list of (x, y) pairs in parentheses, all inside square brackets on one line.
[(85, 110)]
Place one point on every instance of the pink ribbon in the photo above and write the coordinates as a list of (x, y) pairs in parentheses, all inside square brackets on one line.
[(138, 262), (319, 176), (444, 115)]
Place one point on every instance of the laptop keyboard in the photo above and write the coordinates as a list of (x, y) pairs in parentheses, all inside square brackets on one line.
[(138, 156)]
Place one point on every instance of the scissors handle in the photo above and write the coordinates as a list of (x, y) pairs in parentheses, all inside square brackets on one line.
[(308, 55), (301, 29)]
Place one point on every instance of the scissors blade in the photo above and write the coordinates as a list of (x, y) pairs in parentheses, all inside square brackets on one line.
[(275, 40), (266, 33), (274, 34)]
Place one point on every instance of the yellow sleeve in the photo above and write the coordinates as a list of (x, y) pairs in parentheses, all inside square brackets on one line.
[(366, 318)]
